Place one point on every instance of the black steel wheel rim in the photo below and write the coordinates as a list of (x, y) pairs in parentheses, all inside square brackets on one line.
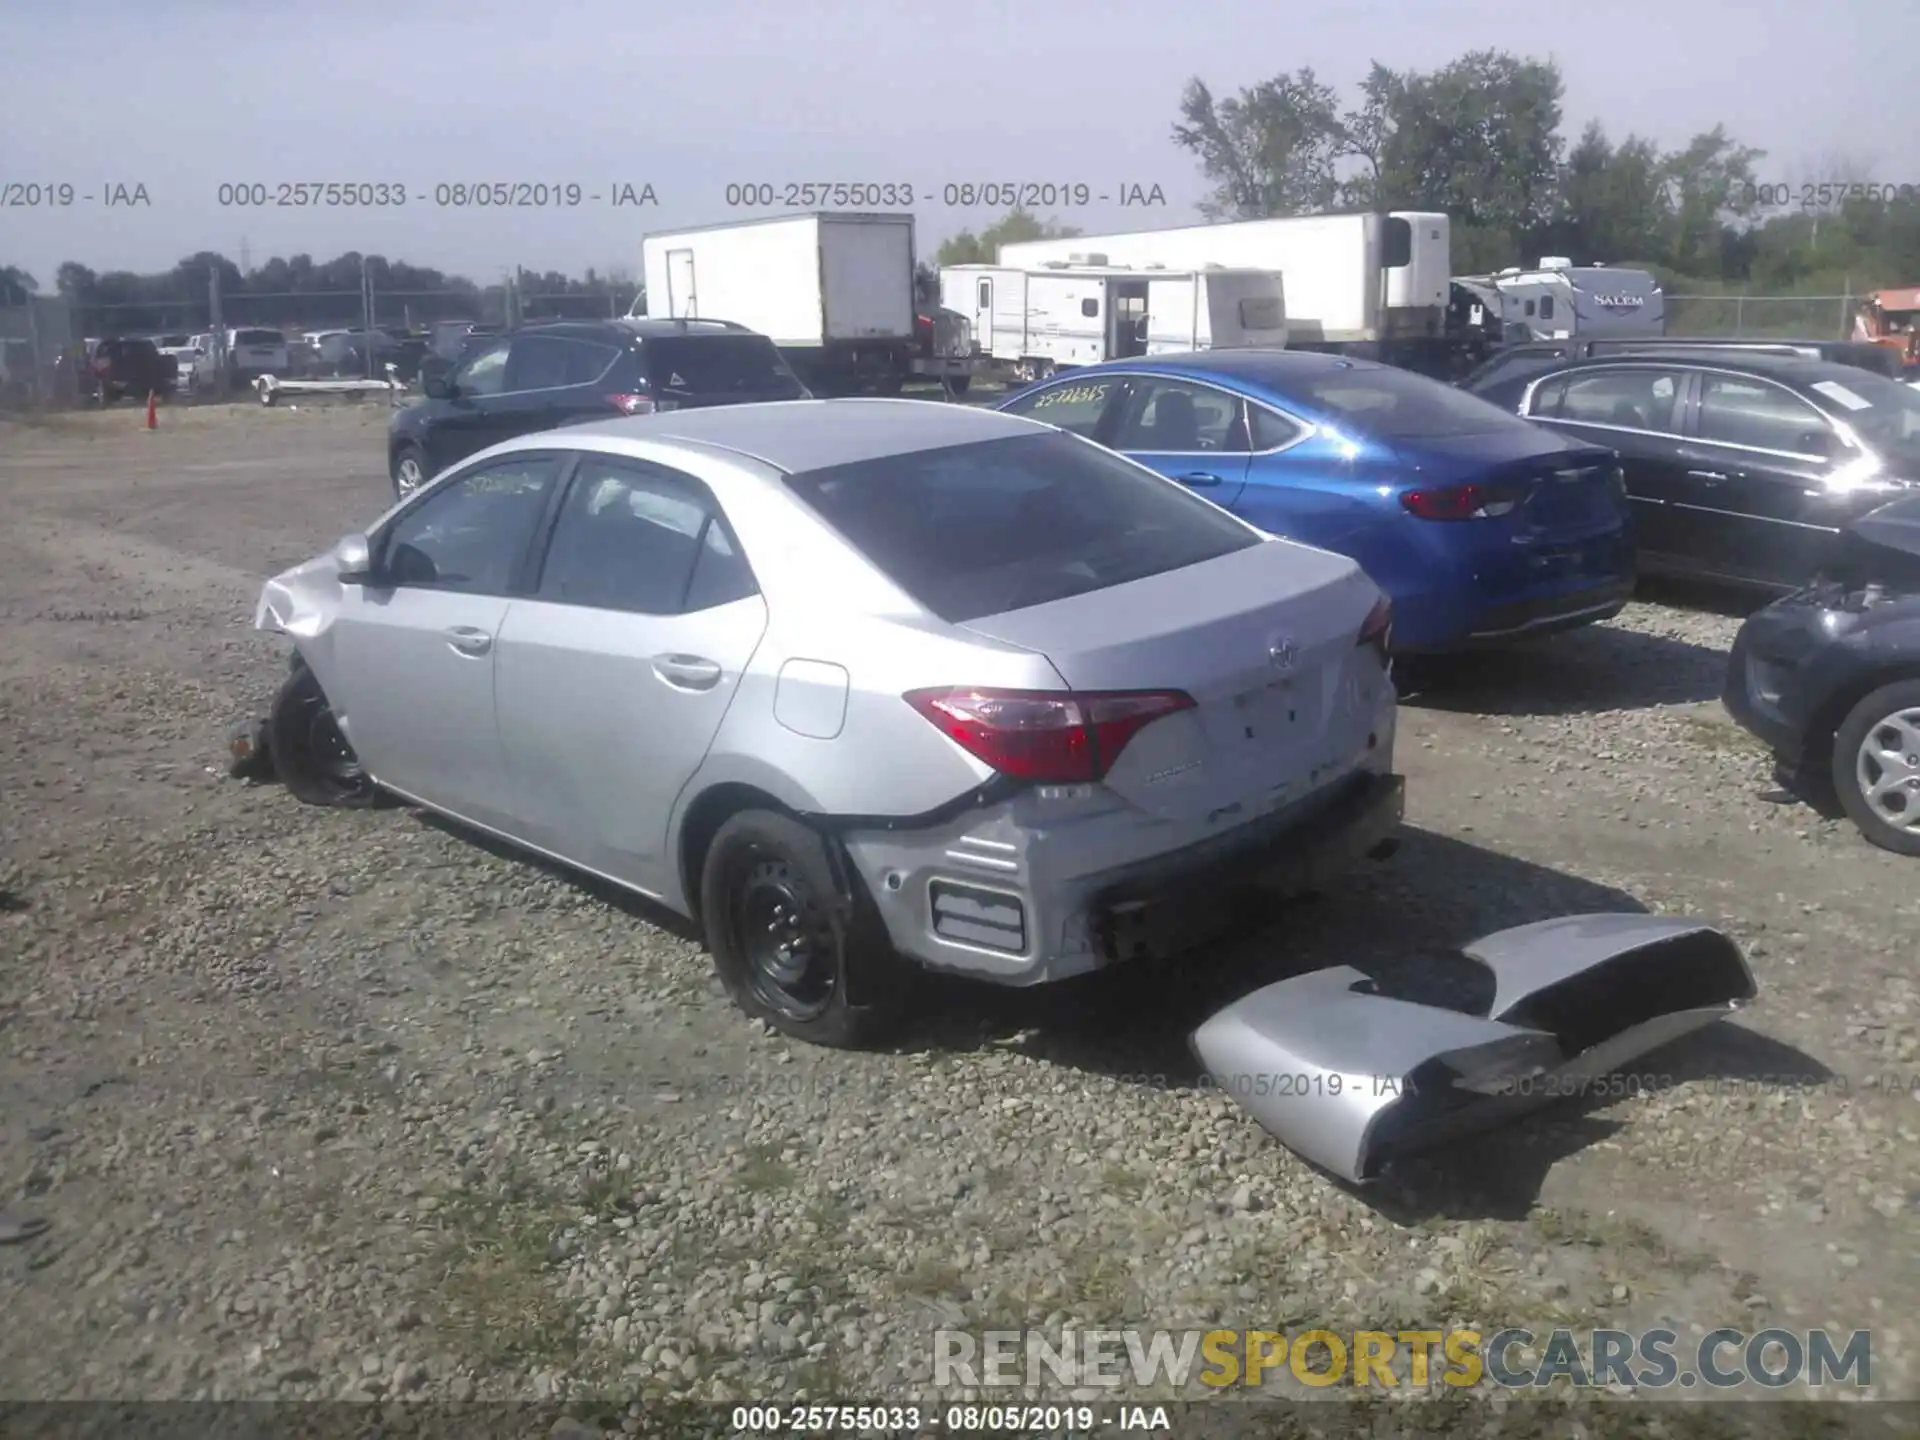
[(328, 755), (785, 936)]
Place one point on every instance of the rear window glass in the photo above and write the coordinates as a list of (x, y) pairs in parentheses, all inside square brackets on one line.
[(259, 337), (1397, 404), (974, 530), (720, 365)]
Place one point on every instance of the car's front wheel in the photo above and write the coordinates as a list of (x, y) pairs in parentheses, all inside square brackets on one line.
[(309, 753), (786, 945), (409, 470), (1876, 766)]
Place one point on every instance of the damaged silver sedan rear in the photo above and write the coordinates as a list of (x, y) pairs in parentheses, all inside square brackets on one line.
[(852, 681), (1352, 1080)]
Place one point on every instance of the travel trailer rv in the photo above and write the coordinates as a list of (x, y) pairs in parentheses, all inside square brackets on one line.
[(1371, 285), (1052, 317), (1563, 301)]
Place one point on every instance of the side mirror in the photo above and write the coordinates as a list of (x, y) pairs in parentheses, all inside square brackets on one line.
[(353, 560)]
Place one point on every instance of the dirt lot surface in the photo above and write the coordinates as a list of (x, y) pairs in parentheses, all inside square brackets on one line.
[(327, 1104)]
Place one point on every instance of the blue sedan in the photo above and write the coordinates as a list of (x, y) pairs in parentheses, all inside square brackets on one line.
[(1480, 526)]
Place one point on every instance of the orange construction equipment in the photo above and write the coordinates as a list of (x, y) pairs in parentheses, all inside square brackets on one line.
[(1891, 318), (153, 411)]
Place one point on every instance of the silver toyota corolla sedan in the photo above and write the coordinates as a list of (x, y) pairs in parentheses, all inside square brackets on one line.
[(847, 681)]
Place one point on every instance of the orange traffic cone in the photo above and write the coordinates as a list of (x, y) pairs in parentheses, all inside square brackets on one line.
[(153, 411)]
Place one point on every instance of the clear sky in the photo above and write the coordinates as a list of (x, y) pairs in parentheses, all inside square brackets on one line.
[(182, 96)]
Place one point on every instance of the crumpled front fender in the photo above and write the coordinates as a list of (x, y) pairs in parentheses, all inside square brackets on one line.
[(1351, 1079), (300, 602)]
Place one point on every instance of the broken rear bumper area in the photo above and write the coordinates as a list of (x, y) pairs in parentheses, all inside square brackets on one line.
[(1204, 895), (1351, 1079)]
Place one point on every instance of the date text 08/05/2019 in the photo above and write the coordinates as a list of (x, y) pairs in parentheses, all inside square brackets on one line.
[(446, 195), (953, 194), (1052, 1420)]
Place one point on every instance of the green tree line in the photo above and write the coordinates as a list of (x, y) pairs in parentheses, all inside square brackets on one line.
[(1482, 139)]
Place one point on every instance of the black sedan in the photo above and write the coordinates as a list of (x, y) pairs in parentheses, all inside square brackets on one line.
[(1829, 678), (1741, 467)]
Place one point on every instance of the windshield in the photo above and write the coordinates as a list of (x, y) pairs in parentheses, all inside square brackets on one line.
[(1399, 405), (973, 530), (1883, 412), (721, 365)]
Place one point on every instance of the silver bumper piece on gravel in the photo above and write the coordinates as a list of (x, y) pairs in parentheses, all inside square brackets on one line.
[(1351, 1079)]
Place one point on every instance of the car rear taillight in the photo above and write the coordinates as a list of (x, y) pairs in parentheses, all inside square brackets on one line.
[(632, 404), (1057, 737), (1377, 629), (1460, 502)]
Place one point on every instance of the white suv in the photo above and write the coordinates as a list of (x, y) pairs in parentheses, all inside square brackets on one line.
[(252, 352)]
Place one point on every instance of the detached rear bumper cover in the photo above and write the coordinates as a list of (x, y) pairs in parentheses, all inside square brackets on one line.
[(1351, 1079)]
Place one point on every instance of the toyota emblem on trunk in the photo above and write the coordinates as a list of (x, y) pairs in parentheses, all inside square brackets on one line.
[(1283, 652)]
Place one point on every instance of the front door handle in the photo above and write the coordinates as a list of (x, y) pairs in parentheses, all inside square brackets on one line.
[(469, 641), (1712, 477), (1199, 477), (687, 672)]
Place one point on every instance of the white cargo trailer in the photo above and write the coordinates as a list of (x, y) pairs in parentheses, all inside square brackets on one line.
[(1371, 284), (1057, 316), (834, 290)]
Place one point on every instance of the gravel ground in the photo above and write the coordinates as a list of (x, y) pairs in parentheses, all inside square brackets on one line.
[(325, 1104)]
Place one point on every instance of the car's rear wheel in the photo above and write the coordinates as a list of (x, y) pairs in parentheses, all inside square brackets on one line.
[(1876, 766), (409, 470), (309, 753), (790, 950)]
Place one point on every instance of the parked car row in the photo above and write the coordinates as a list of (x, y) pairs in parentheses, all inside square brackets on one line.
[(1089, 666)]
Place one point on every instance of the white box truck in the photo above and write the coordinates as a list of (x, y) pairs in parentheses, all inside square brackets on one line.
[(1054, 317), (834, 290), (1370, 284)]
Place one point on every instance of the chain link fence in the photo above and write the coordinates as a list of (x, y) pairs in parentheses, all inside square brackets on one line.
[(1758, 317), (43, 343)]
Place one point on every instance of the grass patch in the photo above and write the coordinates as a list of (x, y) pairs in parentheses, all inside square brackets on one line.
[(496, 1295), (764, 1171)]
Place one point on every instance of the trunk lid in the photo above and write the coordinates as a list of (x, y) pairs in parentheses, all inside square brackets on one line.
[(1567, 489), (1262, 639)]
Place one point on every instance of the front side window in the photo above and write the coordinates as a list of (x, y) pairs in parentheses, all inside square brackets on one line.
[(485, 372), (1075, 405), (469, 533), (536, 362), (1172, 417), (641, 539), (999, 525), (1738, 410)]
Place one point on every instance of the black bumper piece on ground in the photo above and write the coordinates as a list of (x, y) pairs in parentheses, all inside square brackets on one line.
[(1215, 891)]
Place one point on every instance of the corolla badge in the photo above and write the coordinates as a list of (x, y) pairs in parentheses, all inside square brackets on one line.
[(1283, 653)]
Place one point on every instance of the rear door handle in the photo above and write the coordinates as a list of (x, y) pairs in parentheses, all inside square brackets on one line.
[(469, 641), (1712, 477), (1199, 477), (687, 672)]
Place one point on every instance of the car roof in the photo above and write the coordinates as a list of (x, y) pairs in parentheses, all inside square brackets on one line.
[(633, 328), (801, 435), (1251, 363), (1788, 369)]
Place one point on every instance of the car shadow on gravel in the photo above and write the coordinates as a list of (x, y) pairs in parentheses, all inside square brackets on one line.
[(1400, 923), (1588, 671)]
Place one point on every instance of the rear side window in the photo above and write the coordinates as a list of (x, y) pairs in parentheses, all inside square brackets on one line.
[(1632, 399), (1399, 405), (1740, 411), (641, 539), (745, 365), (974, 530)]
